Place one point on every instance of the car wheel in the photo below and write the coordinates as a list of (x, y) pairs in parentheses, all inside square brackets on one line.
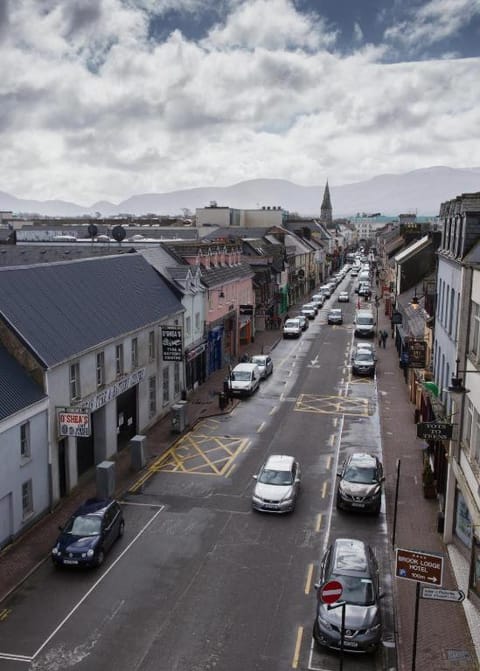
[(100, 557), (121, 529)]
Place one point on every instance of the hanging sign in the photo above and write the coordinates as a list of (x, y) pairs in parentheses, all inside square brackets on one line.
[(172, 343)]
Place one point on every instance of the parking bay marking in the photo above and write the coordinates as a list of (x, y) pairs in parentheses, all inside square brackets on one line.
[(24, 658)]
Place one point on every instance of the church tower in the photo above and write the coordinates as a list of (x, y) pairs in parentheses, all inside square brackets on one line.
[(326, 209)]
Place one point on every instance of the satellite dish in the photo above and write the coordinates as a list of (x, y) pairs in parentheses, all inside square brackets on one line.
[(118, 233), (92, 230)]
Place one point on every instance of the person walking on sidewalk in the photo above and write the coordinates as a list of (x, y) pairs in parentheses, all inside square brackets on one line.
[(384, 336)]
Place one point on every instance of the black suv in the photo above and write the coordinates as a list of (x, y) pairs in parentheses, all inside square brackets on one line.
[(360, 483), (89, 534), (353, 564)]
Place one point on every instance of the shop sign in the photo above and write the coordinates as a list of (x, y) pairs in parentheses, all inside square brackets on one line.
[(246, 309), (434, 430), (195, 351), (102, 398), (172, 344), (419, 566), (417, 353), (72, 422)]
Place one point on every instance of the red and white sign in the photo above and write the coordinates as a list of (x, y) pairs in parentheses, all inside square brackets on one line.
[(330, 591), (73, 423)]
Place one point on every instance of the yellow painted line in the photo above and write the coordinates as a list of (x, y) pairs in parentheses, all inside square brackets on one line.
[(245, 446), (324, 489), (230, 470), (308, 582), (335, 422), (282, 396), (329, 462), (298, 644), (331, 440), (273, 410), (5, 613), (261, 427), (319, 522)]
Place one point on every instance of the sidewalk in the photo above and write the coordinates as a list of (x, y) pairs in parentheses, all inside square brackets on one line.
[(444, 639), (21, 558)]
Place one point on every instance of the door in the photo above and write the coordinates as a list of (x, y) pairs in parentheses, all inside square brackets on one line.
[(62, 467), (6, 519)]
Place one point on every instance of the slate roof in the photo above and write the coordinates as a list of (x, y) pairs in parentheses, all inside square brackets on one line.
[(17, 389), (212, 277), (60, 310)]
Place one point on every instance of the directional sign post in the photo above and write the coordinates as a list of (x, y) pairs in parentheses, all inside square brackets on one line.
[(455, 595), (419, 566)]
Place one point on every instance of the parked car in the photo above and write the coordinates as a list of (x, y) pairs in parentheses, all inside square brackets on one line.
[(309, 312), (364, 324), (312, 304), (303, 321), (343, 297), (360, 483), (353, 564), (278, 485), (335, 316), (363, 363), (326, 290), (89, 534), (244, 379), (292, 328), (365, 290), (264, 363), (319, 299)]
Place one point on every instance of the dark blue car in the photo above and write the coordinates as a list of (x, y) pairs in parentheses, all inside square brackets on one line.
[(89, 534)]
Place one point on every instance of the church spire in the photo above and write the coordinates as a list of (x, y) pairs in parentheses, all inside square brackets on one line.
[(326, 209)]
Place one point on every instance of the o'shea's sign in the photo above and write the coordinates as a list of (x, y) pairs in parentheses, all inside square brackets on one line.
[(73, 423)]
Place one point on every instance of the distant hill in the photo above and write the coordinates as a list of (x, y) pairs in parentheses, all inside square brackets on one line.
[(421, 191)]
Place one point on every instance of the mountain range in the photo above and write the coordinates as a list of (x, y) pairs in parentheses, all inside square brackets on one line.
[(419, 191)]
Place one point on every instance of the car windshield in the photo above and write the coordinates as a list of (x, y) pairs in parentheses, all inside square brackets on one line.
[(365, 320), (335, 313), (271, 477), (259, 360), (363, 355), (360, 474), (84, 525), (241, 375), (357, 591)]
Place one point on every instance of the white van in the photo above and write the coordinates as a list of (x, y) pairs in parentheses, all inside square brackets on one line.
[(245, 379), (364, 324)]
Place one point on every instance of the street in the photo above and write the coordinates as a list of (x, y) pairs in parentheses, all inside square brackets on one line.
[(200, 581)]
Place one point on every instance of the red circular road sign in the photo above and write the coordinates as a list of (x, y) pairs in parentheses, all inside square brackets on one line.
[(330, 591)]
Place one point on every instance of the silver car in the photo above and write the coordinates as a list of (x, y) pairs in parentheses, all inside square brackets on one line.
[(353, 564), (265, 364), (278, 485)]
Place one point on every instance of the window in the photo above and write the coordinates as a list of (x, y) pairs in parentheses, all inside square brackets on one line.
[(474, 341), (152, 396), (176, 378), (119, 360), (75, 382), (468, 423), (25, 441), (197, 322), (166, 385), (134, 353), (188, 325), (451, 312), (27, 498), (100, 369), (151, 346)]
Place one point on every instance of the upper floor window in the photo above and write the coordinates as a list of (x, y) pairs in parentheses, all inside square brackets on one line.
[(75, 382), (25, 440), (474, 341), (188, 326), (119, 367), (151, 346), (451, 313), (134, 353), (100, 369), (197, 322)]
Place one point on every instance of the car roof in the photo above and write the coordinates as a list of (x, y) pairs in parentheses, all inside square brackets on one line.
[(280, 462), (93, 506), (335, 309), (349, 556), (244, 366), (363, 459), (259, 357)]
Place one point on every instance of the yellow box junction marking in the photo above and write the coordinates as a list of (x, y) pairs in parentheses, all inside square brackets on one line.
[(333, 405), (4, 613)]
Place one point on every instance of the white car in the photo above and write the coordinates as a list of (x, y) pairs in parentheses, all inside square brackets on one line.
[(343, 297), (278, 485), (292, 328), (265, 364), (244, 379), (309, 312)]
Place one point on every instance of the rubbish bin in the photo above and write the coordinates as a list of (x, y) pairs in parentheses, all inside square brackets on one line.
[(222, 400), (178, 417)]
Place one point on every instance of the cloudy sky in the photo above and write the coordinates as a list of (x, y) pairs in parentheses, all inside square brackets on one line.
[(103, 99)]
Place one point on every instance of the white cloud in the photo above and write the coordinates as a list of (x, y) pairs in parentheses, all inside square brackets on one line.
[(357, 33), (159, 117)]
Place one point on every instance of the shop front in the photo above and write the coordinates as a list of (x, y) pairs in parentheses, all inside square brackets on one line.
[(195, 365)]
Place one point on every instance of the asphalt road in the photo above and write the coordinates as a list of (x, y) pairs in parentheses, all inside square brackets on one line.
[(200, 581)]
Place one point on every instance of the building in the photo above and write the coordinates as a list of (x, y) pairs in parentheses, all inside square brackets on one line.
[(326, 212)]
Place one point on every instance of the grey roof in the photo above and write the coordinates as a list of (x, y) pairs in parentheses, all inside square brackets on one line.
[(60, 310), (212, 277), (17, 389)]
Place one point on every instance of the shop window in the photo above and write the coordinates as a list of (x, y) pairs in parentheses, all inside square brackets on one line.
[(176, 378), (119, 366), (475, 584), (166, 385), (152, 396)]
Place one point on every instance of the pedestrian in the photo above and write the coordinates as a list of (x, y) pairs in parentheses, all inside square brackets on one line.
[(380, 338), (384, 338)]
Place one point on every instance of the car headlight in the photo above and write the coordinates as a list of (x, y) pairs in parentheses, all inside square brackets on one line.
[(256, 498), (90, 553), (375, 628), (56, 550)]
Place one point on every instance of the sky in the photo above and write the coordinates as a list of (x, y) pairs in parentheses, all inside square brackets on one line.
[(104, 99)]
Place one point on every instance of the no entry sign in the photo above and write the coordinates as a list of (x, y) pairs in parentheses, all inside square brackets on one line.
[(330, 591)]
